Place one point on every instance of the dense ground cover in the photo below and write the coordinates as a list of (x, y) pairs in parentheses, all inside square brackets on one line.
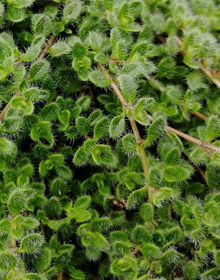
[(109, 139)]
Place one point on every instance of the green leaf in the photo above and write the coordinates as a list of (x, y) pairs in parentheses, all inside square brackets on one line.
[(150, 251), (147, 212), (129, 143), (41, 132), (194, 80), (108, 4), (143, 105), (39, 70), (8, 260), (156, 129), (101, 128), (64, 118), (82, 203), (176, 174), (42, 24), (43, 260), (71, 11), (138, 50), (71, 132), (59, 48), (31, 94), (191, 271), (76, 273), (166, 68), (117, 127), (161, 195), (98, 78), (21, 3), (136, 197), (213, 127), (128, 87), (50, 112), (82, 125), (78, 50), (84, 102), (58, 187), (15, 15), (80, 156), (5, 225), (95, 116), (19, 73), (173, 156), (16, 202), (102, 155), (31, 243)]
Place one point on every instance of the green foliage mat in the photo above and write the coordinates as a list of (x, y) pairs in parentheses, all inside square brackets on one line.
[(109, 139)]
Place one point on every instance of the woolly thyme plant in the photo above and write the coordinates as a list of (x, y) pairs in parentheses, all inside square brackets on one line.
[(110, 139)]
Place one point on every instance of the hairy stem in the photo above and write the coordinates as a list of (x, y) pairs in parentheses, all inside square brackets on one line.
[(42, 55), (189, 138), (45, 50), (132, 121)]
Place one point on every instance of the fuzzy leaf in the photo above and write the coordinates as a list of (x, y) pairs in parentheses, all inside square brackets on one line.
[(39, 70), (21, 3), (8, 261), (117, 127), (176, 174), (42, 24), (43, 260), (59, 48), (99, 79), (128, 87), (156, 129), (102, 155), (71, 11), (31, 243), (213, 127), (135, 198), (101, 128)]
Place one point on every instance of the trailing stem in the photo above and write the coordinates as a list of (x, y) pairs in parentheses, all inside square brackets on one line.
[(189, 138), (132, 121), (60, 275), (204, 69)]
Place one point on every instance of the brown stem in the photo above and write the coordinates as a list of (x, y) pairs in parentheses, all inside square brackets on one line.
[(7, 107), (192, 139), (189, 138), (114, 86), (201, 172), (49, 43), (132, 121), (60, 275), (42, 55), (199, 115)]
